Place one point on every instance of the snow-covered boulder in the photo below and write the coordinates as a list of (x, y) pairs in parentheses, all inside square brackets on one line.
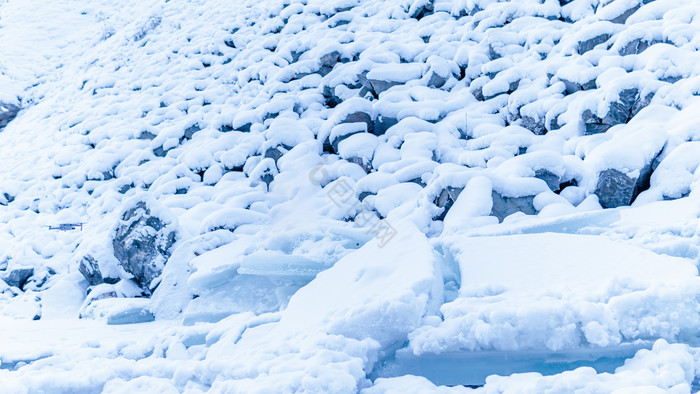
[(142, 242)]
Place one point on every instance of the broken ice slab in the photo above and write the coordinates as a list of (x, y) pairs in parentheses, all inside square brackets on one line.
[(244, 293), (471, 368), (131, 315), (120, 310)]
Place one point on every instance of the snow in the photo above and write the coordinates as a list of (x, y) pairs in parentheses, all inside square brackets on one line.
[(544, 301), (330, 168)]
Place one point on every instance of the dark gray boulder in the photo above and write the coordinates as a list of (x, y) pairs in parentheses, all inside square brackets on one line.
[(382, 124), (18, 276), (274, 152), (331, 99), (7, 113), (142, 243), (504, 206), (90, 269), (327, 62), (637, 46), (436, 80), (535, 125), (360, 116), (420, 9), (189, 132), (614, 188), (622, 18), (551, 179), (379, 86), (619, 112), (587, 45), (573, 87)]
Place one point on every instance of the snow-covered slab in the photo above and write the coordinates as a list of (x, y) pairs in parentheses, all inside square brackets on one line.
[(340, 322), (378, 291), (62, 339), (560, 291)]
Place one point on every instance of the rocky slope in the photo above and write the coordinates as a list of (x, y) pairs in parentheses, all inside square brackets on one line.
[(317, 195)]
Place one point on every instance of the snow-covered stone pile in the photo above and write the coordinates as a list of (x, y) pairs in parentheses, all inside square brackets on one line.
[(317, 195)]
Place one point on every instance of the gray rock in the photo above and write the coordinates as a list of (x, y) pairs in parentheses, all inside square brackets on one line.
[(379, 86), (382, 124), (327, 62), (446, 199), (553, 181), (587, 45), (363, 162), (160, 152), (330, 97), (534, 125), (418, 10), (621, 111), (189, 132), (573, 87), (146, 135), (504, 206), (90, 270), (142, 244), (339, 133), (637, 46), (274, 153), (436, 81), (5, 199), (131, 316), (512, 87), (360, 116), (364, 195), (7, 113), (622, 18), (615, 188), (18, 276)]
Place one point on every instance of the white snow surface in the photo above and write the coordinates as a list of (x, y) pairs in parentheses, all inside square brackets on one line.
[(333, 169)]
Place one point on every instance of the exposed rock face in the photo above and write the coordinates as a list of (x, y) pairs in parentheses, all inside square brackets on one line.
[(637, 46), (535, 125), (142, 244), (615, 188), (621, 111), (553, 181), (7, 113), (90, 269), (18, 276), (504, 206), (585, 46)]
